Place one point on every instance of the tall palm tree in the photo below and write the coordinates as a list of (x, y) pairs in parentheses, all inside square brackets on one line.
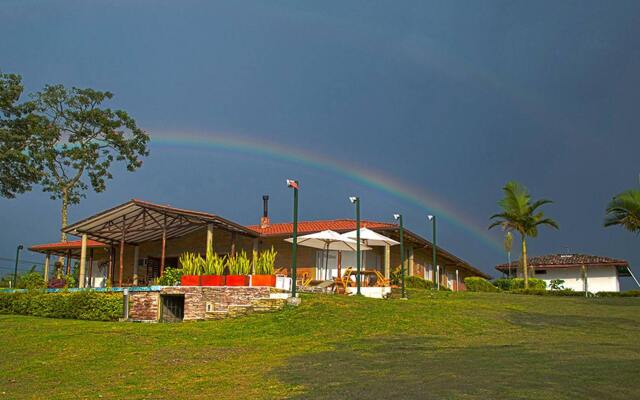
[(624, 210), (520, 214)]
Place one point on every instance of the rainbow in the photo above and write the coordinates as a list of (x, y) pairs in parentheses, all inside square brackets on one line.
[(374, 179)]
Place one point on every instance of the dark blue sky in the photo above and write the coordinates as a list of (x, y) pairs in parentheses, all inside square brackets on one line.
[(453, 97)]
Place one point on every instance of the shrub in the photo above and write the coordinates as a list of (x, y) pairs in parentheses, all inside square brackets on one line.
[(518, 283), (265, 261), (628, 293), (88, 305), (170, 277), (213, 264), (556, 284), (543, 292), (31, 280), (478, 284), (239, 264), (418, 282)]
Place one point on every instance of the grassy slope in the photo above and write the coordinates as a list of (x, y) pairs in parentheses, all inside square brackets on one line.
[(432, 346)]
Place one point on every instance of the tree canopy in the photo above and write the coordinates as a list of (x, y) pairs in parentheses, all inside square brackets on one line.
[(624, 210), (64, 140)]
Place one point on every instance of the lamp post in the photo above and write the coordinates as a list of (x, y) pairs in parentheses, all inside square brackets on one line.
[(294, 245), (15, 271), (356, 201), (436, 269), (398, 217)]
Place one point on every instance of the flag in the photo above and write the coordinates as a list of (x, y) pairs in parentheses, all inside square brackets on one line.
[(292, 184)]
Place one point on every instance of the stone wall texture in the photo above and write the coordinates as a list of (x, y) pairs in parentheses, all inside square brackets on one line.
[(222, 301)]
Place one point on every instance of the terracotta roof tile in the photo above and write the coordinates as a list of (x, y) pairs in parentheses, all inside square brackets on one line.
[(304, 227), (566, 260)]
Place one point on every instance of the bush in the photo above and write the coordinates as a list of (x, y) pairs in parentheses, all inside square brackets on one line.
[(518, 283), (31, 280), (477, 284), (543, 292), (628, 293), (170, 277), (418, 282), (88, 305)]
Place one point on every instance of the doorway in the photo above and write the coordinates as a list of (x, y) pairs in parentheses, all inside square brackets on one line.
[(172, 309)]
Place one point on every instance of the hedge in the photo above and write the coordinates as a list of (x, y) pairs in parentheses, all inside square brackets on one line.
[(518, 283), (544, 292), (418, 282), (477, 284), (628, 293), (88, 305)]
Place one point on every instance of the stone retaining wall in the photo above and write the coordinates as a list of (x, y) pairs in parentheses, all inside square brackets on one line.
[(208, 302)]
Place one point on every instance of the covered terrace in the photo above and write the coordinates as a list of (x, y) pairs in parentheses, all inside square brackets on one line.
[(136, 222)]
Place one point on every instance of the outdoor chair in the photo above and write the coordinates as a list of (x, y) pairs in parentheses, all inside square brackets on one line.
[(381, 281)]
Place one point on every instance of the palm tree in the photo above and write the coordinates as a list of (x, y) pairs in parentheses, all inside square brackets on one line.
[(520, 214), (624, 210)]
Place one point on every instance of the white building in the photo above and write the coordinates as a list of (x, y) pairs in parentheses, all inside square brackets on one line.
[(579, 272)]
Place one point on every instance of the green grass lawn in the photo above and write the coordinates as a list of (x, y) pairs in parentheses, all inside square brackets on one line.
[(442, 345)]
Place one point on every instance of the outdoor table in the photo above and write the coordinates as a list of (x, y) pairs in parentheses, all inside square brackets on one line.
[(365, 276)]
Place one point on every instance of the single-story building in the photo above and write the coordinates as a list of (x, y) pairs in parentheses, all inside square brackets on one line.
[(580, 272), (131, 245)]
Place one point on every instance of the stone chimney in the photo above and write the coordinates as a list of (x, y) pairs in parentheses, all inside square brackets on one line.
[(264, 221)]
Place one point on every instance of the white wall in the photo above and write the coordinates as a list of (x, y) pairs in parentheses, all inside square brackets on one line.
[(599, 279)]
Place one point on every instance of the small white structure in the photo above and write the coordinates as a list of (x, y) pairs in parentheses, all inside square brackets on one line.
[(580, 272)]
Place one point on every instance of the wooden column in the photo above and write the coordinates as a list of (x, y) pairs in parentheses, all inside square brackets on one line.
[(387, 261), (411, 262), (91, 267), (121, 266), (68, 262), (164, 250), (110, 270), (83, 261), (209, 237), (136, 257), (47, 263)]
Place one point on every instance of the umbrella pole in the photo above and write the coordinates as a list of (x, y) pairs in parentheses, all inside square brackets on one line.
[(326, 262)]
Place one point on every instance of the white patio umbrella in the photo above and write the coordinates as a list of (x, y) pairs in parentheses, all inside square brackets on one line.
[(328, 240), (370, 238)]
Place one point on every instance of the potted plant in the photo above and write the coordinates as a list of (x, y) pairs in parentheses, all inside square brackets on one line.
[(213, 269), (239, 266), (264, 268), (191, 269)]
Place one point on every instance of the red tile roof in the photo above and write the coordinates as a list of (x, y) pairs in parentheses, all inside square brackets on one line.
[(70, 245), (566, 260), (305, 227)]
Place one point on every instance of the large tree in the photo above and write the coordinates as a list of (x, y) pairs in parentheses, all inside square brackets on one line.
[(624, 210), (521, 215), (18, 171), (70, 140)]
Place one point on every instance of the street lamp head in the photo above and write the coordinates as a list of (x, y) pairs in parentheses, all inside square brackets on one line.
[(430, 217), (396, 216), (20, 247), (292, 183), (353, 199)]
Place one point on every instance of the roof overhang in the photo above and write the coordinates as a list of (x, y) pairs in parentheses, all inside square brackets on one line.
[(138, 221), (64, 249)]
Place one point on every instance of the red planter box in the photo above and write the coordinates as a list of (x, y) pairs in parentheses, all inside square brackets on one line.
[(190, 280), (237, 280), (212, 280), (263, 280)]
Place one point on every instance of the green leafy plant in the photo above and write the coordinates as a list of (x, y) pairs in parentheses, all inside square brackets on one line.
[(239, 264), (418, 282), (88, 305), (556, 284), (265, 261), (478, 284), (191, 263), (213, 264), (170, 277)]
